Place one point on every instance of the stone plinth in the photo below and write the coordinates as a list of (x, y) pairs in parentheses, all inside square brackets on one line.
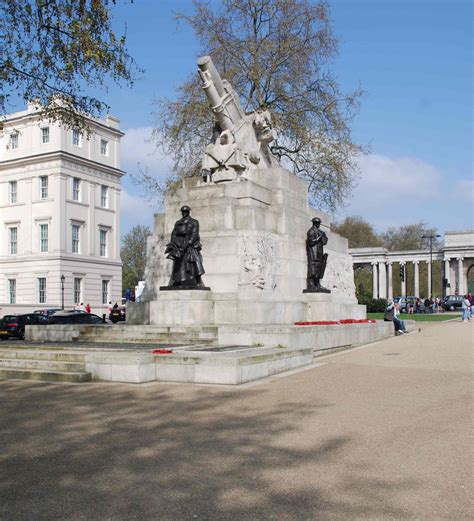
[(253, 235)]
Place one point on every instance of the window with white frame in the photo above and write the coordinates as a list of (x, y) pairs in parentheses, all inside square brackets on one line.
[(102, 243), (13, 240), (76, 189), (43, 187), (41, 285), (13, 187), (45, 135), (77, 290), (14, 140), (105, 291), (43, 229), (104, 196), (76, 138), (104, 147), (12, 291), (75, 238)]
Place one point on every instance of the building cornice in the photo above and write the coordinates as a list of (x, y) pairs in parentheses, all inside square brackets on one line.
[(60, 155)]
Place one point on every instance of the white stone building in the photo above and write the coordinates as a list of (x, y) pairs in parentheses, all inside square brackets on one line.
[(59, 214)]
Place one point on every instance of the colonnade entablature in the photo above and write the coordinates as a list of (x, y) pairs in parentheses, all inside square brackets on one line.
[(457, 254)]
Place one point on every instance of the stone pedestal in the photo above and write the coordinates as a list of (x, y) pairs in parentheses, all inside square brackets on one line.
[(253, 234)]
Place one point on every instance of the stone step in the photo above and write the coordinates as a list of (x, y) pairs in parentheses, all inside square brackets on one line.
[(45, 375), (41, 354), (24, 363)]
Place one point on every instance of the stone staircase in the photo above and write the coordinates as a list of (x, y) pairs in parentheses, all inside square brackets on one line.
[(123, 334), (46, 365)]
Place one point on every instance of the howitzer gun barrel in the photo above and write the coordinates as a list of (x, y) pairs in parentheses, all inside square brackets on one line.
[(223, 100)]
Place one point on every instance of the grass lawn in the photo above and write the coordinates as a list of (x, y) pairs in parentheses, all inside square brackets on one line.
[(439, 317)]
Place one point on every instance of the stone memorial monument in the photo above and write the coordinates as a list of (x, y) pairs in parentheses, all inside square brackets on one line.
[(262, 266)]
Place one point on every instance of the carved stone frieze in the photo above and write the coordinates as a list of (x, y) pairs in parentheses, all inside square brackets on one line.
[(259, 264)]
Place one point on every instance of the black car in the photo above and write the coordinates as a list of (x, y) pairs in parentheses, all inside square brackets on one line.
[(452, 302), (14, 325), (74, 318), (117, 314), (47, 311)]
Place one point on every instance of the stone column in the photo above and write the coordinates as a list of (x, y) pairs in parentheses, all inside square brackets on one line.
[(404, 282), (382, 280), (417, 278), (375, 289), (461, 288), (447, 274), (390, 280)]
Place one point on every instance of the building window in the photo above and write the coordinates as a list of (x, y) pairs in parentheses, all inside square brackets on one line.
[(13, 192), (75, 238), (77, 290), (104, 196), (12, 291), (76, 138), (13, 241), (102, 243), (105, 291), (43, 238), (104, 147), (76, 186), (44, 187), (14, 141), (41, 290), (45, 135)]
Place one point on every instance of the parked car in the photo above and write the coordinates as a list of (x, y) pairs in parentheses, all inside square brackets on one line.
[(46, 312), (117, 314), (403, 303), (14, 325), (78, 317), (452, 302)]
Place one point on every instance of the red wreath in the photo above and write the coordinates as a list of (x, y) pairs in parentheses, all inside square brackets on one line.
[(336, 322), (161, 351)]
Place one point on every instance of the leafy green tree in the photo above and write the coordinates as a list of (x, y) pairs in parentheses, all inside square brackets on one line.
[(358, 232), (52, 49), (277, 55), (133, 254)]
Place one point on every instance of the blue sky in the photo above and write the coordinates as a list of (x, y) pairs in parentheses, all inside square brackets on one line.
[(412, 58)]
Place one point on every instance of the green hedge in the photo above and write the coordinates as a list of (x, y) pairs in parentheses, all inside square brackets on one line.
[(374, 305)]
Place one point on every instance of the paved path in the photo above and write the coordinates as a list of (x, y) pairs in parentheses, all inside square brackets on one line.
[(378, 433)]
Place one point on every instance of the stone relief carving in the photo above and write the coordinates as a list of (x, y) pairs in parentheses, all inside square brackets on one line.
[(259, 264), (340, 276)]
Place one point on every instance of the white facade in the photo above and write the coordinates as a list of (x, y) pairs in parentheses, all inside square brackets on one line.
[(59, 214)]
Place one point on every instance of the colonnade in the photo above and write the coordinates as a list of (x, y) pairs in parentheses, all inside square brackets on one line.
[(382, 277)]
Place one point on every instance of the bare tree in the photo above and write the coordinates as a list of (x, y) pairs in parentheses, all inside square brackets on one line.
[(409, 237), (52, 49), (276, 54)]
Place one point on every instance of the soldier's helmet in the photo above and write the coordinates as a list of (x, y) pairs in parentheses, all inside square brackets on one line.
[(185, 209), (316, 220)]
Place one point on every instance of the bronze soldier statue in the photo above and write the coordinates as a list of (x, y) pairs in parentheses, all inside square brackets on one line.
[(317, 259), (184, 250)]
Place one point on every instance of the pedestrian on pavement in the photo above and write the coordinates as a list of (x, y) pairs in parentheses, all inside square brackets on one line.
[(466, 309), (88, 308)]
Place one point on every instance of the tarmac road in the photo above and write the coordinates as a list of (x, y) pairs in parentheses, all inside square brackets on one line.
[(378, 433)]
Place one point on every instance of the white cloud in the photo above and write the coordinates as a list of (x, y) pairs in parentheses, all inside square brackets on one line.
[(394, 191), (137, 148), (135, 210)]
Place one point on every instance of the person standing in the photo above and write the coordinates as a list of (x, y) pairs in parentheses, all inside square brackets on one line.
[(466, 309), (88, 308)]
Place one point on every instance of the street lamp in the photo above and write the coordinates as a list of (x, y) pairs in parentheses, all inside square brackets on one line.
[(431, 238), (63, 278)]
